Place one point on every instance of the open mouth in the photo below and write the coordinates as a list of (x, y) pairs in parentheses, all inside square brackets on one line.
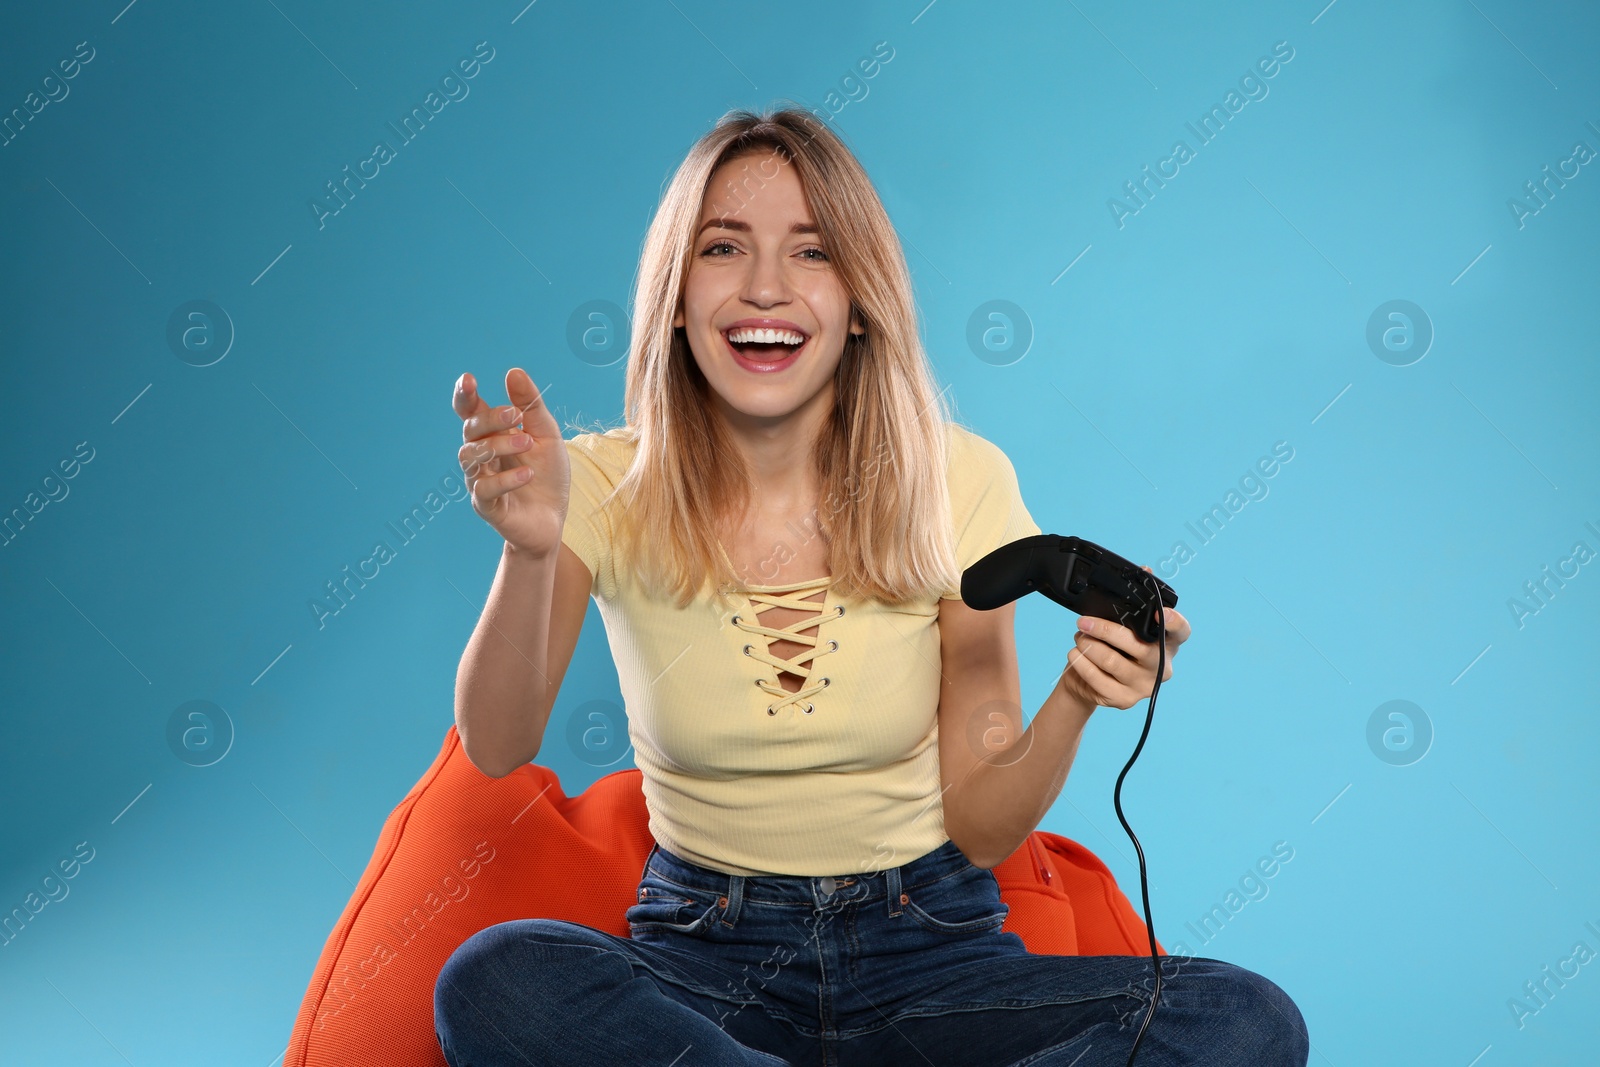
[(763, 346)]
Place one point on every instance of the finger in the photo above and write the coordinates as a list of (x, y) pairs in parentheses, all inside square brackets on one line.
[(1116, 635), (1112, 662), (1178, 628), (489, 487), (479, 418), (465, 399), (1107, 690), (491, 420), (529, 401), (480, 458)]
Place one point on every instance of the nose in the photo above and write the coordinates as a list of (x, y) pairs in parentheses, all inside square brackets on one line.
[(766, 284)]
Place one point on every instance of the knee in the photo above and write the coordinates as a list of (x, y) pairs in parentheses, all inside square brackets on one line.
[(498, 965), (1266, 1028), (464, 966), (469, 971)]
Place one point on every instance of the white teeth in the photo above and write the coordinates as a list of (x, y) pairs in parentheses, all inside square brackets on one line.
[(747, 335)]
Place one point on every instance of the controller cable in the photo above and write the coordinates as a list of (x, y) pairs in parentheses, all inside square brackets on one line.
[(1116, 799)]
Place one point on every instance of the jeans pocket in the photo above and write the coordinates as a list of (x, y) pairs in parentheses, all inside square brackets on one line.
[(967, 902), (667, 906)]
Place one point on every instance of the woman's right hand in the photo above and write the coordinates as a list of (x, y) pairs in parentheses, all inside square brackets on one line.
[(520, 480)]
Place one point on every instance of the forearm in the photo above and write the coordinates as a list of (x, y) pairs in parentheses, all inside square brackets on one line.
[(503, 697), (1007, 793)]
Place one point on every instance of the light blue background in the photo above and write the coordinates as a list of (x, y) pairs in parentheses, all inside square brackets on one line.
[(1229, 314)]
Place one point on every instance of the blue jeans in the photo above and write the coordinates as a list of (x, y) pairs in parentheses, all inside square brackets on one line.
[(904, 966)]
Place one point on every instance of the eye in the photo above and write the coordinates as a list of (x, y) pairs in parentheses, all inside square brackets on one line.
[(823, 255), (715, 245)]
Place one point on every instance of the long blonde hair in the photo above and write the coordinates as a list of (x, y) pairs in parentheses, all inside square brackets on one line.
[(881, 457)]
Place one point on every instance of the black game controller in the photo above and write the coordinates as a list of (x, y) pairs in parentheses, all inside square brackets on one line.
[(1077, 574), (1085, 578)]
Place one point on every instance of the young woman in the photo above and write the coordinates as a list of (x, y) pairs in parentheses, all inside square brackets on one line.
[(831, 741)]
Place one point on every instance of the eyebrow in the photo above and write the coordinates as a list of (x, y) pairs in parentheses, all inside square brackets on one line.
[(729, 223)]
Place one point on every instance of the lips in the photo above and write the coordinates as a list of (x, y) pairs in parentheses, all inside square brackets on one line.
[(764, 344), (763, 357)]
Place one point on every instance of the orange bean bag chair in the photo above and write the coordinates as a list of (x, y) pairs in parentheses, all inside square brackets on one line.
[(463, 851)]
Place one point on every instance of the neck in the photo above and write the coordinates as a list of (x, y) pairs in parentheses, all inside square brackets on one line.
[(777, 452)]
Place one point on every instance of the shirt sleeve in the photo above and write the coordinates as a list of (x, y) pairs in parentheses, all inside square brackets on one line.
[(985, 502), (588, 530)]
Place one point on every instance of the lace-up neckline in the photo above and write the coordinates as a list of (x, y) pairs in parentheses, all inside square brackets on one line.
[(789, 595)]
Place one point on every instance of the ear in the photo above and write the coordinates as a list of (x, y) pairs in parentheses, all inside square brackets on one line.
[(677, 319), (855, 322)]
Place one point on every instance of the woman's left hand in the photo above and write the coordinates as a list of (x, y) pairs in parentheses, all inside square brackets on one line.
[(1110, 666)]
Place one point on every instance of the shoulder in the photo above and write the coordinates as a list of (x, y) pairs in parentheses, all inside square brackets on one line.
[(607, 453), (974, 460)]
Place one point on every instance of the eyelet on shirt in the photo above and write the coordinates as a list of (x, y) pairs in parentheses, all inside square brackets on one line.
[(826, 681), (834, 643), (810, 707), (770, 711), (747, 649)]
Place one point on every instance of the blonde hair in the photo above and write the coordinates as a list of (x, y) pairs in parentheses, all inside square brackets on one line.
[(884, 510)]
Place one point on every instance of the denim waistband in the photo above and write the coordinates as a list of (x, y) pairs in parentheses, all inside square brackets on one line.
[(886, 884)]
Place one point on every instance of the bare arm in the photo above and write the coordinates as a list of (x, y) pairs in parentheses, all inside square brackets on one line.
[(516, 465), (517, 656)]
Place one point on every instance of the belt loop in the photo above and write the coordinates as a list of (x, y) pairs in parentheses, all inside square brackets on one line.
[(892, 882), (734, 897)]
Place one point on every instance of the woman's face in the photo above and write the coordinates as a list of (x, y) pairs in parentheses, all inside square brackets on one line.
[(750, 269)]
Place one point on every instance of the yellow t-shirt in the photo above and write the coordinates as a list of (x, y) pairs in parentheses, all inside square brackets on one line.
[(744, 777)]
